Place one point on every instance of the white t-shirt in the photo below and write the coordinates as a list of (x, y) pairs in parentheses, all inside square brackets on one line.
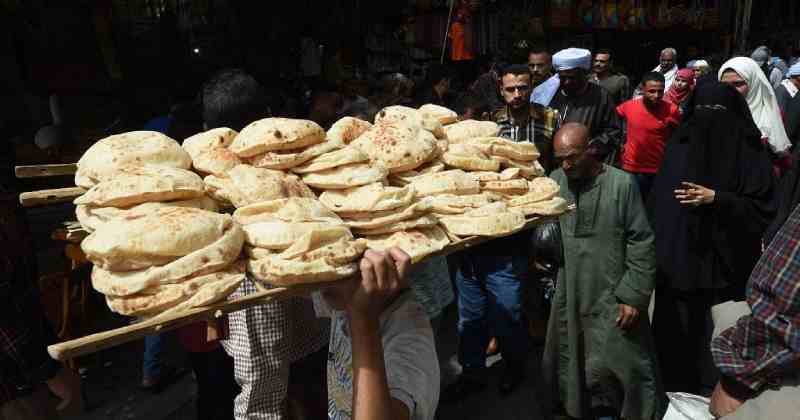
[(409, 352)]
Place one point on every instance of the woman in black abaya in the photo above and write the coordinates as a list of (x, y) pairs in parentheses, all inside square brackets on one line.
[(711, 202)]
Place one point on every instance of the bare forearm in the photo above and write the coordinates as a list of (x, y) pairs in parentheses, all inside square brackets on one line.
[(371, 399)]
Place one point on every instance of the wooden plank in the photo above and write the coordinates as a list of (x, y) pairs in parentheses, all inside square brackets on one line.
[(36, 171), (107, 339), (46, 197)]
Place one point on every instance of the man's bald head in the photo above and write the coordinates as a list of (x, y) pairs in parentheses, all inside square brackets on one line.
[(572, 134), (570, 146)]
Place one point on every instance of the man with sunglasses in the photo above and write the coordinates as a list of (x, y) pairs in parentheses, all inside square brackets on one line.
[(587, 103)]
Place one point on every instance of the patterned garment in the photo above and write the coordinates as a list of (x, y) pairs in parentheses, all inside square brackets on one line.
[(539, 129), (409, 351), (24, 333), (764, 347), (263, 341), (543, 124)]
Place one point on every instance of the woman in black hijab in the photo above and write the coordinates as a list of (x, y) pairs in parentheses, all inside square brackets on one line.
[(711, 202)]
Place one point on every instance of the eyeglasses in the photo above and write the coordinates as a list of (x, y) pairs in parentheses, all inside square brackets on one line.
[(738, 83), (512, 89)]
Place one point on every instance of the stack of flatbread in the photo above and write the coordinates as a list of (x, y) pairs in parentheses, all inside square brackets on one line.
[(541, 199), (297, 240), (388, 216), (244, 185), (134, 174), (494, 219), (165, 261)]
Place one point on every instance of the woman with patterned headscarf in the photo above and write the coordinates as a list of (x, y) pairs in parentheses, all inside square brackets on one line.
[(681, 88)]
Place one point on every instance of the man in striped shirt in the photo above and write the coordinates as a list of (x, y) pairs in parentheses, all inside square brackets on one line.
[(522, 120)]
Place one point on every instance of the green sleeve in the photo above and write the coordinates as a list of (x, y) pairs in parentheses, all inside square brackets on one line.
[(640, 269)]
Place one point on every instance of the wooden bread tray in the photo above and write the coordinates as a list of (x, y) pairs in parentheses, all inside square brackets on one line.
[(107, 339)]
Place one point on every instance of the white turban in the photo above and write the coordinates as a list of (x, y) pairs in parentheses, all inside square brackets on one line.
[(700, 63), (572, 58), (793, 71)]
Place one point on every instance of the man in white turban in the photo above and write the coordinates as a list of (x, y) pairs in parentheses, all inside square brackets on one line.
[(579, 101)]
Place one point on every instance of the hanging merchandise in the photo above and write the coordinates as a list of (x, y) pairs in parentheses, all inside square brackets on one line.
[(586, 13), (461, 47), (606, 14), (561, 13)]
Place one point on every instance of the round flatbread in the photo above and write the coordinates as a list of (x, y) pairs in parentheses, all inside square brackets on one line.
[(527, 170), (280, 235), (212, 292), (144, 240), (453, 181), (271, 134), (245, 185), (443, 115), (347, 129), (214, 257), (552, 207), (174, 298), (293, 209), (368, 198), (498, 146), (347, 176), (467, 157), (511, 187), (334, 159), (425, 221), (93, 217), (539, 189), (399, 145), (279, 272), (417, 243), (288, 159), (102, 161), (468, 129), (459, 204), (494, 220), (375, 220), (141, 184), (505, 175), (209, 151)]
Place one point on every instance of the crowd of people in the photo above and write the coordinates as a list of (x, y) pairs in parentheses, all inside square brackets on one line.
[(685, 183)]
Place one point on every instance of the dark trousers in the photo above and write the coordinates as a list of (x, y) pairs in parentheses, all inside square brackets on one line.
[(490, 298), (645, 183), (216, 385)]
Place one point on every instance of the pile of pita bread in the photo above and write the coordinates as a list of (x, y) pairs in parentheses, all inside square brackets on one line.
[(305, 203), (297, 240)]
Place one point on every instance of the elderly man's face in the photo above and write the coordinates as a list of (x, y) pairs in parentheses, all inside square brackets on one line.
[(541, 67), (602, 62), (516, 89), (573, 81), (667, 60), (573, 157)]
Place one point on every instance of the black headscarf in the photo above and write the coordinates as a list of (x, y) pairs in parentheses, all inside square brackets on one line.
[(719, 147)]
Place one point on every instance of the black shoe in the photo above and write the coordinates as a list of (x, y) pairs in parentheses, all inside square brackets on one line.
[(462, 388), (510, 380)]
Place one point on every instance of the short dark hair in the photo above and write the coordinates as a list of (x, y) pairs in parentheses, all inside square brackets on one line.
[(471, 101), (538, 49), (653, 76), (232, 98), (604, 51), (515, 69)]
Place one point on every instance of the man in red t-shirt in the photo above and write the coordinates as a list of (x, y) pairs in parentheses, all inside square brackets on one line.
[(650, 121)]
